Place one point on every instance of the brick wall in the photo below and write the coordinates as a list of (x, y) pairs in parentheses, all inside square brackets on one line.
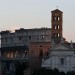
[(34, 56)]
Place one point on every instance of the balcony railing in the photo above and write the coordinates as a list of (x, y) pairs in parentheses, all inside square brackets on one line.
[(15, 59)]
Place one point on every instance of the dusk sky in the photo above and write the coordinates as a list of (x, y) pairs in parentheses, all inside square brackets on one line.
[(15, 14)]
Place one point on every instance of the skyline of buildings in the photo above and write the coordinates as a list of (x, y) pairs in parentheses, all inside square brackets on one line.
[(31, 45), (36, 14)]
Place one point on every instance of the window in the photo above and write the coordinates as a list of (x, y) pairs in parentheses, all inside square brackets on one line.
[(55, 18), (55, 27), (58, 35), (11, 55), (41, 53), (20, 38), (25, 53), (16, 54), (62, 61), (8, 55), (29, 37), (43, 37), (40, 45), (58, 18), (58, 26), (6, 39)]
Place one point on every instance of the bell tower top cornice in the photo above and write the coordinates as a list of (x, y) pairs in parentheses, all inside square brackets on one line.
[(56, 10)]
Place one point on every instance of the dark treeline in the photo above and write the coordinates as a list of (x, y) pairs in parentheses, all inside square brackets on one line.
[(20, 68), (43, 71)]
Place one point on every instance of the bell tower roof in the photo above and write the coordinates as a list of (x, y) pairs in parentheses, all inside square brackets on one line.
[(56, 10)]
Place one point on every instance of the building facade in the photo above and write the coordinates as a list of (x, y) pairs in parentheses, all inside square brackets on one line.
[(22, 37), (30, 44), (17, 47), (61, 57), (37, 51), (11, 57)]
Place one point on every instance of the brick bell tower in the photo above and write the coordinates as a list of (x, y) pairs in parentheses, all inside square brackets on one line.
[(56, 25)]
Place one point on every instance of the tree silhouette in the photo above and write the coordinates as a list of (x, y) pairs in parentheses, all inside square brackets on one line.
[(20, 67), (43, 71)]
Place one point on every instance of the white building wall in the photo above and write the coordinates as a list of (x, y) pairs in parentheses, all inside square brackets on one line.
[(69, 60), (55, 59), (69, 64)]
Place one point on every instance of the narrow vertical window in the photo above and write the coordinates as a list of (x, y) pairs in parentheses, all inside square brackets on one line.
[(11, 55), (62, 61), (41, 53), (58, 26), (20, 38), (55, 18), (6, 39), (8, 55), (43, 37), (55, 27), (29, 37), (58, 35), (58, 18)]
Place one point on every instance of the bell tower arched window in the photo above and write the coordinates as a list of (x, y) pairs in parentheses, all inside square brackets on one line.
[(58, 35), (55, 27), (58, 18), (58, 27), (55, 18)]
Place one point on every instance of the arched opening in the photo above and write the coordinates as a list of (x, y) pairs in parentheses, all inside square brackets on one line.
[(58, 18), (55, 18), (58, 35), (55, 27), (41, 53), (58, 26)]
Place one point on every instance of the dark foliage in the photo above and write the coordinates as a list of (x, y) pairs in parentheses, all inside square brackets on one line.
[(43, 71), (20, 67)]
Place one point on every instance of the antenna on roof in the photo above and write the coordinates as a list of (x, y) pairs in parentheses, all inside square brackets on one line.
[(57, 7), (53, 43), (62, 40), (71, 44)]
